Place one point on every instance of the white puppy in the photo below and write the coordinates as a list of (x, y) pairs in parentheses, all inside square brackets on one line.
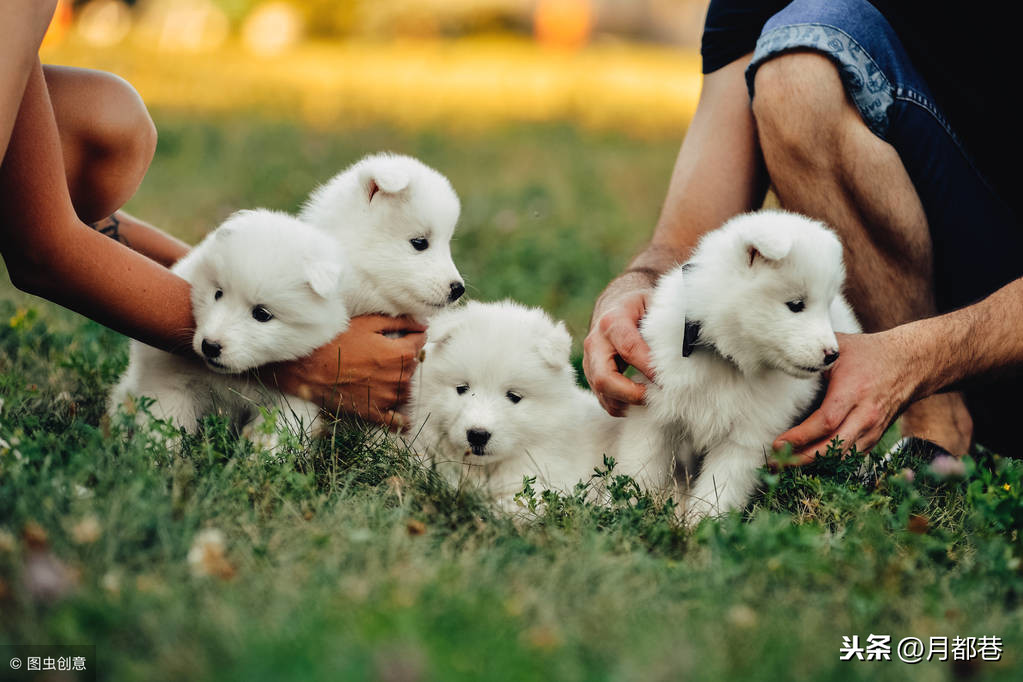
[(739, 337), (496, 400), (395, 217), (265, 288)]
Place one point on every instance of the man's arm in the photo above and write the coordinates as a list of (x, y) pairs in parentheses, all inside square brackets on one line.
[(717, 175), (878, 375)]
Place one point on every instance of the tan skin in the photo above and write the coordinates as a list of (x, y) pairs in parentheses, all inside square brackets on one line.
[(75, 145), (912, 355)]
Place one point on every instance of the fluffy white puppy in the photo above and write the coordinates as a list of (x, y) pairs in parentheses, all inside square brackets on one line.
[(394, 216), (496, 399), (739, 337), (265, 288)]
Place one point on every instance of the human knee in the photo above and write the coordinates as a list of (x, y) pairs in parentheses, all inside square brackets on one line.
[(117, 145), (799, 104), (125, 131)]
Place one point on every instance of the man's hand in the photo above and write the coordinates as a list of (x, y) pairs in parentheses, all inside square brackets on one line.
[(614, 342), (362, 371), (872, 382)]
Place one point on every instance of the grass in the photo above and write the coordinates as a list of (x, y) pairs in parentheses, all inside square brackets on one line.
[(344, 560)]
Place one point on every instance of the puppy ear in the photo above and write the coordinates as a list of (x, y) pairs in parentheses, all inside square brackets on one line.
[(440, 331), (224, 231), (556, 346), (379, 176), (324, 277), (763, 241), (230, 225)]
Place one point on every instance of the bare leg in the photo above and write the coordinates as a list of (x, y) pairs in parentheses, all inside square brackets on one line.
[(108, 140), (824, 162), (22, 26), (106, 135)]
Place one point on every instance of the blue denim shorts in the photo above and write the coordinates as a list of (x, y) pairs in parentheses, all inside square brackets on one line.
[(978, 246)]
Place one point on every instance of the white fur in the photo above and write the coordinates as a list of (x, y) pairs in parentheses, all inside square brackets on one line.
[(255, 258), (728, 405), (556, 431), (375, 208)]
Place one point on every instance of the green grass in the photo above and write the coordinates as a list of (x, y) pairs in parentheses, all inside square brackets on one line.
[(344, 560)]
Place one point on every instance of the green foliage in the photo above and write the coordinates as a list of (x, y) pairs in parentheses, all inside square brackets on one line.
[(346, 558)]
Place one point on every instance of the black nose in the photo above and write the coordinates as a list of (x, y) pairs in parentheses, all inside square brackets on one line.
[(477, 437), (830, 357), (457, 289), (210, 349)]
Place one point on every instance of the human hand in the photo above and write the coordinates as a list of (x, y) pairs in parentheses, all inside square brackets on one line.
[(362, 371), (875, 378), (614, 343)]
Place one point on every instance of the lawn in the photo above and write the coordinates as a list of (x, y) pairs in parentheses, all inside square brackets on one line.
[(344, 560)]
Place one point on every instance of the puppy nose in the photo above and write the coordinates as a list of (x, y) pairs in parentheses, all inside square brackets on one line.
[(457, 289), (210, 349), (830, 356), (477, 437)]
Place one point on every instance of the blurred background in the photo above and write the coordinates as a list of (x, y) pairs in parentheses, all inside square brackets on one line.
[(557, 121)]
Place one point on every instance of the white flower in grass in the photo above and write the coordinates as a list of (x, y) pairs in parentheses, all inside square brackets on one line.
[(86, 531), (947, 466), (208, 555)]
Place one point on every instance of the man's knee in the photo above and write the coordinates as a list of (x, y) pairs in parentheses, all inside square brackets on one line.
[(800, 105)]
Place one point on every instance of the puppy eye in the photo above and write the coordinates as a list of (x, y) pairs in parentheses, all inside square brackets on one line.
[(513, 396), (796, 306), (261, 314), (219, 295), (461, 388), (420, 243)]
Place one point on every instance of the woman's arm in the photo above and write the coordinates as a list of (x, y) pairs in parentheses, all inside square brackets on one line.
[(51, 253), (142, 237)]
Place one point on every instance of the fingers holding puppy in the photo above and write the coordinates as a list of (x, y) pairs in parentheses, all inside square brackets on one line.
[(613, 344), (868, 387), (364, 371)]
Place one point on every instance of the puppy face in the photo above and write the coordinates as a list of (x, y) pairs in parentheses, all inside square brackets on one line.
[(265, 288), (396, 216), (494, 383), (772, 305), (409, 251)]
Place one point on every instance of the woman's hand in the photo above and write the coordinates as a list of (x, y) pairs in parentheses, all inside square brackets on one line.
[(362, 371)]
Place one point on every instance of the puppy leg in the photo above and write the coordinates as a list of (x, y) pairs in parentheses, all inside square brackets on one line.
[(300, 417), (643, 451), (177, 406), (726, 481)]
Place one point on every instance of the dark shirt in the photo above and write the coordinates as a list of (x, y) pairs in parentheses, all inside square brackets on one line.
[(963, 52)]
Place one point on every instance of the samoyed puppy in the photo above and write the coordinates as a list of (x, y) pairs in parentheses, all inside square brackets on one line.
[(739, 338), (495, 400), (395, 216), (265, 288)]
